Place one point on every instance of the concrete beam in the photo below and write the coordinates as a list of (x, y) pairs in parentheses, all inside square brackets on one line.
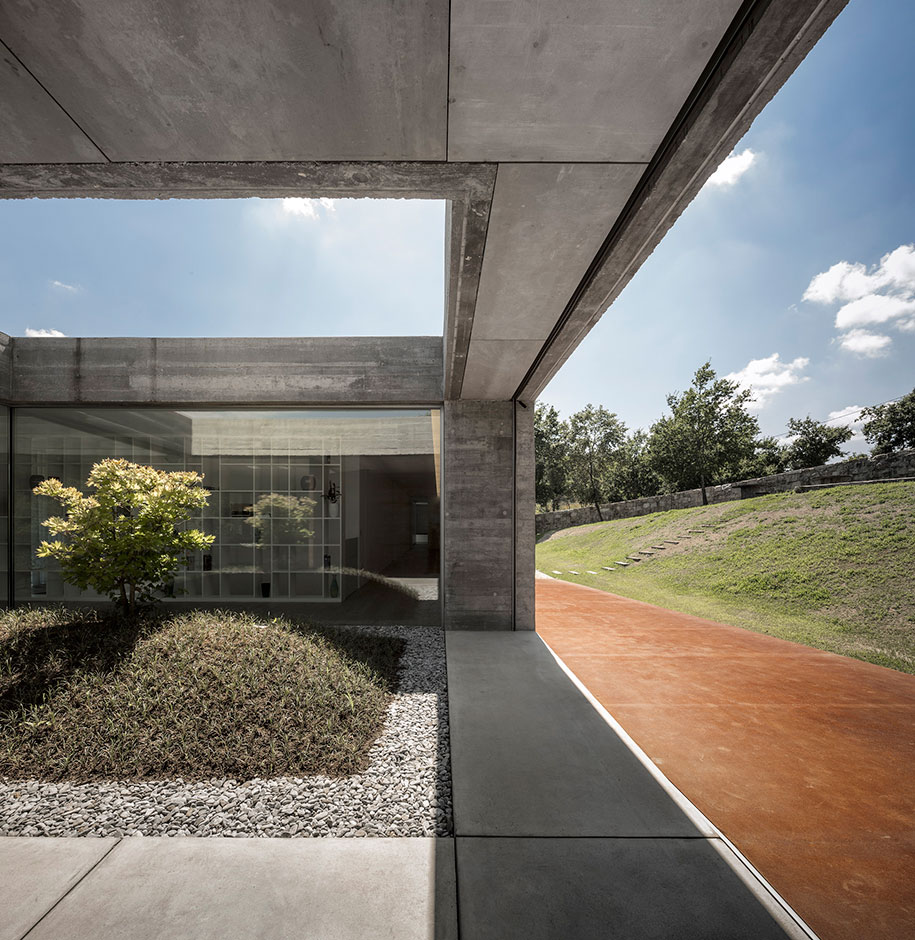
[(6, 367), (297, 371), (348, 179), (547, 222), (525, 520), (764, 45)]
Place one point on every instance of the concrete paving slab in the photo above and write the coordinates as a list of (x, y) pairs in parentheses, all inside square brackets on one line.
[(36, 873), (532, 757), (196, 889), (602, 888)]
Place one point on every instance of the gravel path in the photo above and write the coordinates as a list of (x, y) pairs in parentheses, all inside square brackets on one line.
[(406, 790)]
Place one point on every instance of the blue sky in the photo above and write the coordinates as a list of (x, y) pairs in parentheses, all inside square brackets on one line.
[(831, 181), (246, 267), (824, 177)]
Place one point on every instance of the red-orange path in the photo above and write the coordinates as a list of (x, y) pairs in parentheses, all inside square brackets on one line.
[(804, 759)]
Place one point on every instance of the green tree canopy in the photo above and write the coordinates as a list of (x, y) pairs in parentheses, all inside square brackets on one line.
[(768, 457), (630, 475), (593, 436), (814, 442), (551, 472), (891, 427), (707, 436), (124, 540)]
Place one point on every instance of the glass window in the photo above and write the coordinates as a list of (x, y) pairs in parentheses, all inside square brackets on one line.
[(336, 507)]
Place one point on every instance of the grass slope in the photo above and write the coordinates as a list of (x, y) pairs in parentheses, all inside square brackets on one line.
[(834, 569), (196, 695)]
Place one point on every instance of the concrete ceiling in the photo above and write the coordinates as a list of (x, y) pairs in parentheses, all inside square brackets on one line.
[(568, 134)]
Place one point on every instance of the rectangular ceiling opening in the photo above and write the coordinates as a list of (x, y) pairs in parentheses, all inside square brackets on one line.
[(222, 267)]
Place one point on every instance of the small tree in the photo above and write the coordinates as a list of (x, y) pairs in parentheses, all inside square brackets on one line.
[(892, 426), (814, 442), (125, 540), (592, 437), (708, 435)]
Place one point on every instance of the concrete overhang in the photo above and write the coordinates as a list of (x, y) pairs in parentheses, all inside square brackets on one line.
[(567, 136)]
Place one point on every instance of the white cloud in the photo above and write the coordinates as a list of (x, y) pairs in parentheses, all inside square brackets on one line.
[(42, 332), (733, 168), (884, 293), (767, 377), (864, 343), (873, 308), (850, 417), (69, 288), (307, 208)]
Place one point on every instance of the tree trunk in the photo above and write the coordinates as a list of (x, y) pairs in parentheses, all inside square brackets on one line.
[(123, 599), (594, 494), (702, 487), (133, 598)]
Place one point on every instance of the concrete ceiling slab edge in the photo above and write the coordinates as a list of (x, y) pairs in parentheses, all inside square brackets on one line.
[(769, 45)]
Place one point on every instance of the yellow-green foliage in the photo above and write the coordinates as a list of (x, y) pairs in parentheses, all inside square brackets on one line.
[(126, 539), (830, 568)]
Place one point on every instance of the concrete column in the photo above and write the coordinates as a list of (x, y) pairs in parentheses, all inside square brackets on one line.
[(478, 537), (525, 520)]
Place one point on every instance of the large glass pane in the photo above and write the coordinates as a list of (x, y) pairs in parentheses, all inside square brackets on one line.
[(4, 503), (336, 507)]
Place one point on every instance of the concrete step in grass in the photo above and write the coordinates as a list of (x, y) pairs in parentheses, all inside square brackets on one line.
[(672, 541), (607, 568), (574, 572), (644, 551), (634, 557), (622, 564), (659, 548), (590, 572), (557, 572)]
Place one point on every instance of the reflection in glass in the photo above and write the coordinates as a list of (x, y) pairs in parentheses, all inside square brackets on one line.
[(304, 506)]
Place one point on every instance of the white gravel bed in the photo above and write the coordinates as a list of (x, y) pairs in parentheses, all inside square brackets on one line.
[(406, 791)]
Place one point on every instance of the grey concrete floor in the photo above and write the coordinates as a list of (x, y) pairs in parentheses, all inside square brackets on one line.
[(561, 831)]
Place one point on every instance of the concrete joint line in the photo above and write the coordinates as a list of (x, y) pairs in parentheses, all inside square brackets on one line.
[(787, 918), (66, 893)]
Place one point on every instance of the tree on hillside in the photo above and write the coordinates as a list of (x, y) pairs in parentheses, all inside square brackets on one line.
[(892, 426), (630, 475), (707, 436), (814, 442), (768, 457), (551, 472), (126, 539), (593, 436)]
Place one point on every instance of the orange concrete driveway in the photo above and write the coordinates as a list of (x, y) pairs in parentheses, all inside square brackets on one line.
[(804, 759)]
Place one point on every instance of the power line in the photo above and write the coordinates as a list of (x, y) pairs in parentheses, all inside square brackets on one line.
[(845, 414)]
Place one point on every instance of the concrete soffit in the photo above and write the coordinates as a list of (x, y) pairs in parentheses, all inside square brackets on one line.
[(560, 188)]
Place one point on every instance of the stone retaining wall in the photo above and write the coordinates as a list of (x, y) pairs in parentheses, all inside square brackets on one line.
[(858, 470)]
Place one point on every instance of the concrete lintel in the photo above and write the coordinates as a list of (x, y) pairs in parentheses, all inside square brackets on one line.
[(766, 43), (299, 371), (375, 180)]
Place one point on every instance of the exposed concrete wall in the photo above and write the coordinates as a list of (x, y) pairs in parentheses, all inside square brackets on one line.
[(525, 537), (478, 547), (6, 366), (293, 371), (859, 470)]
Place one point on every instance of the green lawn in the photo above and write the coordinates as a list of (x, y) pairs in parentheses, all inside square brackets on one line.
[(834, 569), (196, 695)]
